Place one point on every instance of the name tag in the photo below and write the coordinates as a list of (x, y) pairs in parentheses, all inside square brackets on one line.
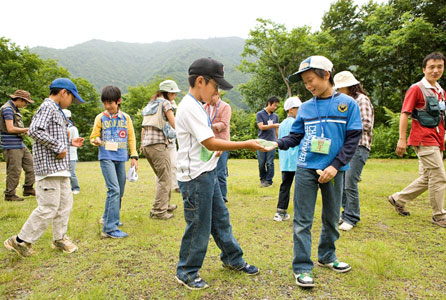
[(111, 146), (270, 122), (320, 145)]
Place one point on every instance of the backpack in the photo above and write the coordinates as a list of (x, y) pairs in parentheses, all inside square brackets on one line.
[(153, 116)]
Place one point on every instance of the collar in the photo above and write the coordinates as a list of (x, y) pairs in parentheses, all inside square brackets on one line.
[(429, 86), (117, 115), (269, 114), (13, 105)]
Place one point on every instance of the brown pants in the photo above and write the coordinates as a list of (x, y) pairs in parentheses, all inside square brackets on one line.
[(16, 159), (432, 178), (158, 157)]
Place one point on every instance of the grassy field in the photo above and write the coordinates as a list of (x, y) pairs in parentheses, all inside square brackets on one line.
[(392, 257)]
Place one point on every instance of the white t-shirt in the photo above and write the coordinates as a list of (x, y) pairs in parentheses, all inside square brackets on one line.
[(192, 126), (74, 133)]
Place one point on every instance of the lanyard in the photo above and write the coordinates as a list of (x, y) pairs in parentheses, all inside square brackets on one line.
[(318, 115), (65, 117), (216, 111), (198, 102)]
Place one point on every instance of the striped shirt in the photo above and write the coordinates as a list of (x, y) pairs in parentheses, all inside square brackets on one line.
[(11, 140)]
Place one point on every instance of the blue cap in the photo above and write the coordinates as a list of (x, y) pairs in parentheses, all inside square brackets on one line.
[(65, 83)]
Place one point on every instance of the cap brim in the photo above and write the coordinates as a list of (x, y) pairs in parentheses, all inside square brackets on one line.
[(77, 98), (296, 76), (223, 84)]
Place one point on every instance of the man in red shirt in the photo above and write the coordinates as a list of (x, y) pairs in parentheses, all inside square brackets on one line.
[(427, 141)]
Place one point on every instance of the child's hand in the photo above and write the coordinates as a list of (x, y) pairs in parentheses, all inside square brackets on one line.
[(62, 154), (77, 142), (326, 175), (267, 145), (134, 163), (254, 145), (97, 141), (218, 153)]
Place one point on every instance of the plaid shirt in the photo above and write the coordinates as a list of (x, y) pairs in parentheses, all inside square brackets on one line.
[(154, 135), (367, 117), (49, 132)]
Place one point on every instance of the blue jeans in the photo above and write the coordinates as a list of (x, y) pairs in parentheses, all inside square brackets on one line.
[(205, 213), (266, 165), (350, 197), (305, 193), (114, 175), (222, 173), (74, 182)]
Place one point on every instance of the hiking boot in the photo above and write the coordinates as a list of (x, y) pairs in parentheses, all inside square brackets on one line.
[(64, 244), (441, 222), (279, 217), (13, 198), (23, 249), (345, 226), (336, 266), (246, 268), (166, 216), (304, 280), (195, 284), (399, 209), (172, 207), (117, 234), (29, 192)]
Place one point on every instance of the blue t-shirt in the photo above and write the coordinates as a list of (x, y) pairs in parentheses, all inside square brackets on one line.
[(338, 115), (287, 158), (263, 116)]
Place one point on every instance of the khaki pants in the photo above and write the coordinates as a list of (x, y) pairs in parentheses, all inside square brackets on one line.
[(55, 200), (172, 147), (432, 178), (16, 159), (159, 159)]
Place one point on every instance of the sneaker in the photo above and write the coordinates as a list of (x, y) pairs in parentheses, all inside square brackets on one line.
[(399, 209), (196, 284), (23, 249), (64, 244), (29, 192), (336, 266), (266, 184), (341, 220), (279, 217), (304, 280), (75, 192), (441, 223), (13, 198), (166, 216), (246, 268), (345, 226), (172, 207), (117, 234)]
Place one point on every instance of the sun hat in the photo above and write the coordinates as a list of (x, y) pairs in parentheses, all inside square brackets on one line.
[(22, 95), (169, 86), (344, 79), (67, 113), (211, 68), (65, 83), (312, 62), (292, 102)]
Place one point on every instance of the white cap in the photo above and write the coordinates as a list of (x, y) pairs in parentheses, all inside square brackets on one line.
[(67, 113), (169, 86), (292, 102), (312, 62), (344, 79)]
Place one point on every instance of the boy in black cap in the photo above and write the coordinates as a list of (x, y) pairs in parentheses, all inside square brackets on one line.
[(204, 209), (52, 169)]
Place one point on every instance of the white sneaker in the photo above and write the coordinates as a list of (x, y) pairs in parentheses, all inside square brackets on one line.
[(281, 217), (101, 221), (345, 226), (76, 192)]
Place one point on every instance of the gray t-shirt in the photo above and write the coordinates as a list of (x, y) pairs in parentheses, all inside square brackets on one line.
[(263, 116)]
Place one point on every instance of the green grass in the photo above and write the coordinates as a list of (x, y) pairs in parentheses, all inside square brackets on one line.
[(393, 257)]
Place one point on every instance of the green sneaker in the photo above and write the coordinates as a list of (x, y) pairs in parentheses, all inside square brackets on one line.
[(337, 266), (23, 249), (304, 280)]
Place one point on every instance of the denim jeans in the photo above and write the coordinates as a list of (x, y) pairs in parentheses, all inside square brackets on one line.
[(74, 182), (284, 192), (350, 197), (266, 165), (222, 173), (305, 193), (205, 213), (114, 175)]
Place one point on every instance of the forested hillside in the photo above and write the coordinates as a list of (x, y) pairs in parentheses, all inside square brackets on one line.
[(130, 64)]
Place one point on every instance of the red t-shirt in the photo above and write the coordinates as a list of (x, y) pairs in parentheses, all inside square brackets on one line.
[(419, 135)]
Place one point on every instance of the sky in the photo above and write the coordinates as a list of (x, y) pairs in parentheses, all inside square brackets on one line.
[(64, 23)]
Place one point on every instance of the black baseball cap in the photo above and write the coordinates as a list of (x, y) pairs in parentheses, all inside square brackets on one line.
[(211, 68)]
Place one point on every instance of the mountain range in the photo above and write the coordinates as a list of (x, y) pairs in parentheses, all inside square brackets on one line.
[(129, 64)]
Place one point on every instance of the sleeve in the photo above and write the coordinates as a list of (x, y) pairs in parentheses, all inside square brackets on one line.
[(97, 128), (131, 137), (167, 106), (367, 115), (259, 118), (7, 113), (225, 116), (74, 133), (412, 98), (289, 141), (38, 130), (196, 123)]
